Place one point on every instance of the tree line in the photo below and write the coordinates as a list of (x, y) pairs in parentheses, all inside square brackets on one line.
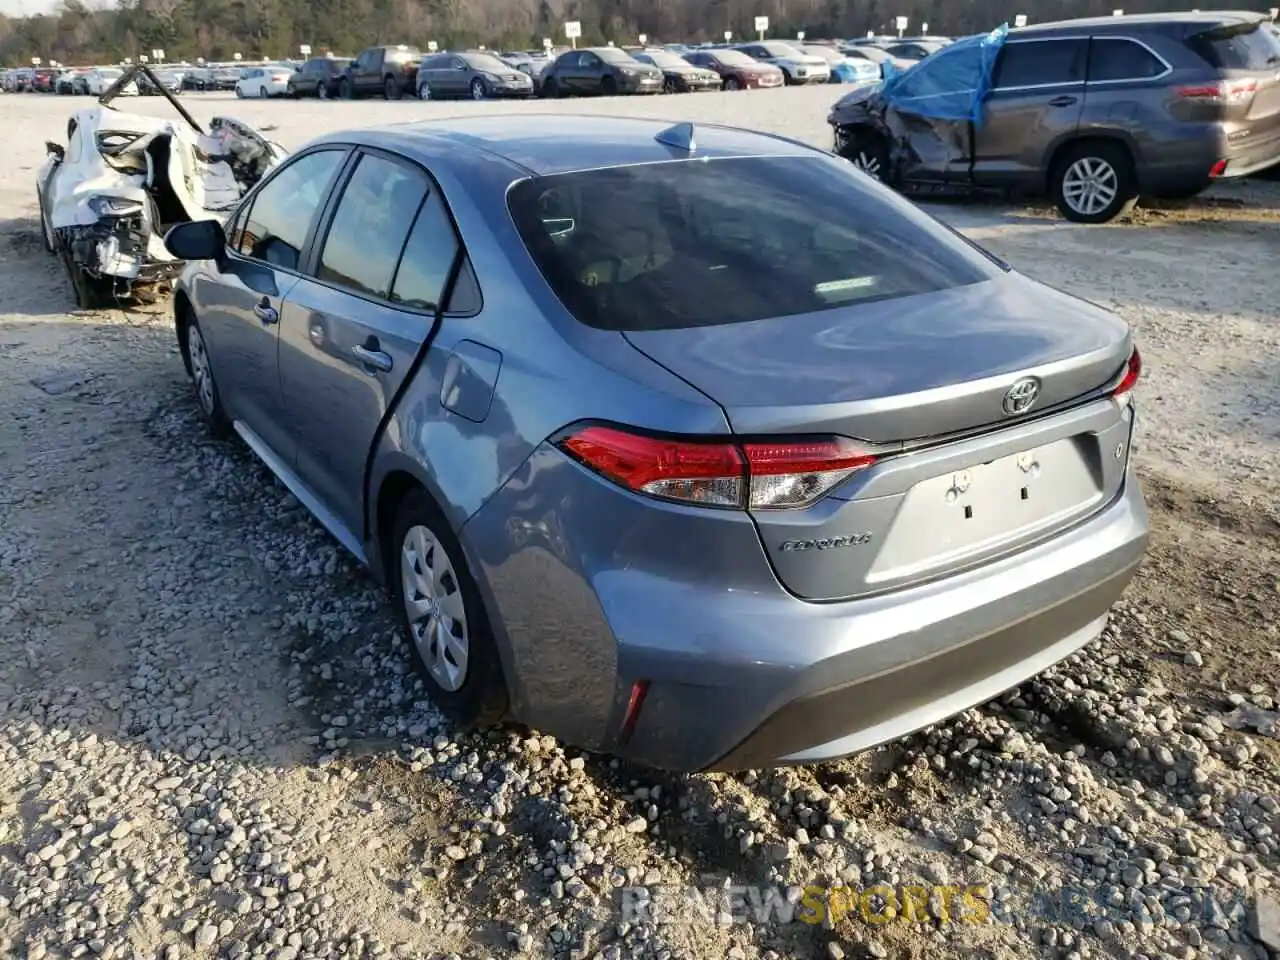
[(218, 29)]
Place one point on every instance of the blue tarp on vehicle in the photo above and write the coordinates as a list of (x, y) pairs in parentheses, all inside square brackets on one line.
[(951, 84)]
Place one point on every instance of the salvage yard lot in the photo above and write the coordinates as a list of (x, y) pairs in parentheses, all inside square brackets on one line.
[(209, 739)]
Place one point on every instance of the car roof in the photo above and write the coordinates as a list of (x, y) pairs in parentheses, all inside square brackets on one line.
[(542, 144), (1211, 18)]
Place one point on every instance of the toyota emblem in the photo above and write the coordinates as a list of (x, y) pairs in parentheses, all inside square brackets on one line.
[(1021, 397)]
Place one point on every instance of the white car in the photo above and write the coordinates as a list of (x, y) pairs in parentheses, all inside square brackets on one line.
[(107, 198), (99, 79), (269, 81), (796, 67)]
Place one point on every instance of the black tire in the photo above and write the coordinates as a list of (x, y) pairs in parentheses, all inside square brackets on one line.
[(46, 230), (91, 293), (390, 89), (481, 699), (869, 152), (210, 404), (609, 87), (1114, 165), (551, 89), (669, 85), (731, 83), (344, 89)]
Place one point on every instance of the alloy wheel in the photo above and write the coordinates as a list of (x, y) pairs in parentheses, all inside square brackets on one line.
[(1090, 186), (434, 608), (868, 163), (424, 91), (201, 372), (477, 89)]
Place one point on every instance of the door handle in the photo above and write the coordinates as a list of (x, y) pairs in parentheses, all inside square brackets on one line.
[(1063, 101), (265, 312), (371, 357)]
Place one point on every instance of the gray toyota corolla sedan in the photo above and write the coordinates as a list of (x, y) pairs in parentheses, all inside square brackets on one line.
[(695, 446)]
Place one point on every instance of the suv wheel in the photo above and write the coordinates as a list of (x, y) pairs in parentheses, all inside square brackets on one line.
[(424, 90), (344, 89), (1094, 182), (869, 153), (391, 89), (478, 91), (442, 615), (322, 90)]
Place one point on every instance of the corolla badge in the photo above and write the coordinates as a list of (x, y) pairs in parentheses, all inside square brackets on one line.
[(827, 543), (1021, 397)]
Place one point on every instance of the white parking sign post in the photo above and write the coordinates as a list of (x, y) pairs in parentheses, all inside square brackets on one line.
[(1117, 13), (1275, 13), (305, 49), (800, 35), (572, 31), (432, 46), (547, 44), (902, 25), (728, 35), (762, 26), (644, 39), (1020, 20), (924, 29)]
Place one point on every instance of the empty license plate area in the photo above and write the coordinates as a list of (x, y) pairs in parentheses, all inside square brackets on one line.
[(988, 507)]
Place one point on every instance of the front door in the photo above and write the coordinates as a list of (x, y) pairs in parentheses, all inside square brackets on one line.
[(1036, 100), (240, 303), (353, 329), (454, 77)]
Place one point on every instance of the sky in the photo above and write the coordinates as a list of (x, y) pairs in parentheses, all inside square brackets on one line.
[(20, 8)]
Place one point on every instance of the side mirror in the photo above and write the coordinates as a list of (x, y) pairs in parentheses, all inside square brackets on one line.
[(196, 240), (56, 149)]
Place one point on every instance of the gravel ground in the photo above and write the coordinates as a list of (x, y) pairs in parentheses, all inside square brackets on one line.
[(210, 743)]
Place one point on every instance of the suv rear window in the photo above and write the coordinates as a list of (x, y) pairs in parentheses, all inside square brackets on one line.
[(702, 243), (1245, 46)]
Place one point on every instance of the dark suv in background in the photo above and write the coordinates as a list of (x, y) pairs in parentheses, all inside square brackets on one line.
[(318, 77), (389, 71), (1092, 112)]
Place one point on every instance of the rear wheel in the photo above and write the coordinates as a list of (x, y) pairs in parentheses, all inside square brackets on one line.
[(442, 615), (262, 93), (239, 93), (391, 89), (1094, 182), (90, 292), (731, 83)]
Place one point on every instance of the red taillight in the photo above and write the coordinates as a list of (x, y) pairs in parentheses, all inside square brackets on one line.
[(1218, 169), (1225, 91), (754, 475), (1132, 372)]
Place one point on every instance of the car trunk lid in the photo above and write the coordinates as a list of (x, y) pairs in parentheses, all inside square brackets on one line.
[(898, 370), (923, 382)]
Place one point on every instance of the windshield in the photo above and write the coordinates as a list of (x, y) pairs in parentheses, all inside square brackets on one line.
[(781, 50), (486, 62), (733, 58), (663, 59), (612, 55), (688, 244), (825, 53)]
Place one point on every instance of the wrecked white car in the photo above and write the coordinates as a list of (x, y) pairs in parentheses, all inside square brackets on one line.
[(107, 197)]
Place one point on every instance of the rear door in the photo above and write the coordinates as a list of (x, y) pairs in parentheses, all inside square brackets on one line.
[(353, 329), (239, 303), (1036, 101)]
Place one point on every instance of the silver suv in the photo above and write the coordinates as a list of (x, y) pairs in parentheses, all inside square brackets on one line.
[(1090, 112)]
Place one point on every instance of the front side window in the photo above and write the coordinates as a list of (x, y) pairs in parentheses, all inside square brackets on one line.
[(704, 243), (1039, 63), (284, 207), (368, 232)]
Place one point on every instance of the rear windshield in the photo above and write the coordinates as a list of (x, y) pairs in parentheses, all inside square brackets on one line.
[(702, 243), (1243, 47)]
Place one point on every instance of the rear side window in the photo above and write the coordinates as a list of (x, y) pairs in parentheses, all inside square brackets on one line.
[(1039, 63), (370, 226), (1119, 59), (428, 257), (1247, 46), (703, 243)]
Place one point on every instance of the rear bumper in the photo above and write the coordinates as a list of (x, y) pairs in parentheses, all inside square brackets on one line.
[(740, 674), (1252, 155)]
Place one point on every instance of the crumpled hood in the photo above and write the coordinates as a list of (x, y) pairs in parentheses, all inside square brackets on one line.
[(855, 104)]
